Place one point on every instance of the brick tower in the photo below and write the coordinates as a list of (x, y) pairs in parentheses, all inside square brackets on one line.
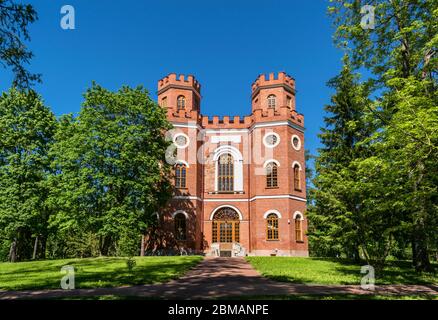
[(239, 182)]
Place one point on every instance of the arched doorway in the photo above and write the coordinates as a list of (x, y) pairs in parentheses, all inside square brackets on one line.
[(226, 226)]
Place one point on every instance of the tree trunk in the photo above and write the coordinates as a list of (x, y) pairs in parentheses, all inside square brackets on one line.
[(13, 251), (142, 246), (420, 256), (105, 244), (35, 247), (43, 243)]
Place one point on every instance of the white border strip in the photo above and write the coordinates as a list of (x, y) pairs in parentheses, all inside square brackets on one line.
[(255, 126), (283, 196)]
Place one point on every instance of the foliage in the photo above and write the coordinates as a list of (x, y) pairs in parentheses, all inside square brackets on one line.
[(389, 190), (343, 219), (111, 173), (27, 127), (14, 20)]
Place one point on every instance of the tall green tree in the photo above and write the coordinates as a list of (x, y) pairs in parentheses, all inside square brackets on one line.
[(409, 144), (337, 211), (26, 132), (111, 173), (15, 19), (400, 52)]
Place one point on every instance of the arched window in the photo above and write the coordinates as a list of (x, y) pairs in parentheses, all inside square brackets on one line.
[(271, 175), (180, 175), (271, 101), (289, 101), (297, 177), (225, 178), (225, 227), (180, 226), (272, 227), (164, 102), (299, 228), (181, 103)]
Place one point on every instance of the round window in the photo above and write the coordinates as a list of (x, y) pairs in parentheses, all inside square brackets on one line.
[(296, 142), (181, 140), (271, 140)]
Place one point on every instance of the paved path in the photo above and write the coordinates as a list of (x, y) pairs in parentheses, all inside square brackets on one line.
[(220, 277)]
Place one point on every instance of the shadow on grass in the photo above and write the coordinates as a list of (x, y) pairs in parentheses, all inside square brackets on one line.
[(96, 273), (337, 271)]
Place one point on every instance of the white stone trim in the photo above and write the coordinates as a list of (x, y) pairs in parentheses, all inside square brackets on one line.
[(224, 206), (292, 142), (254, 126), (296, 162), (223, 131), (224, 138), (298, 213), (187, 198), (180, 211), (272, 211), (269, 161), (284, 196), (187, 125), (237, 166), (224, 200), (179, 135), (182, 162), (227, 149), (267, 135)]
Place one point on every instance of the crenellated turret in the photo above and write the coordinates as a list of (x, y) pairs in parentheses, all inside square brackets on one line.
[(181, 96)]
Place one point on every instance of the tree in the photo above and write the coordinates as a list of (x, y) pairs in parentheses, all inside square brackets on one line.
[(341, 220), (111, 173), (26, 130), (409, 142), (400, 53), (14, 21)]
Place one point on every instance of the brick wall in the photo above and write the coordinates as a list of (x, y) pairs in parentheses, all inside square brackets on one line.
[(243, 139)]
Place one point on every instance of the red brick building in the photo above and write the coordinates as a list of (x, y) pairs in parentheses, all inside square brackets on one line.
[(239, 182)]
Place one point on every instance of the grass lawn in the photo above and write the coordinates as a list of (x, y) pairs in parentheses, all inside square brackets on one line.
[(331, 271), (94, 272)]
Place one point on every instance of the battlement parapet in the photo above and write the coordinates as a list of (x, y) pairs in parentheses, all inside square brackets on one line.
[(181, 81), (282, 78)]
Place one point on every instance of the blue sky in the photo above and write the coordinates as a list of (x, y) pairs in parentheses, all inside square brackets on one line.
[(226, 44)]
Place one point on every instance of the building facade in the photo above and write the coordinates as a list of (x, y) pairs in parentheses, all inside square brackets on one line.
[(239, 181)]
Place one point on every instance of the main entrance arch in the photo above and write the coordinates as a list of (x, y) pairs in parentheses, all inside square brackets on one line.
[(225, 225)]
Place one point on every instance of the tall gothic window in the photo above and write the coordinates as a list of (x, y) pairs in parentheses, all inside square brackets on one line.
[(180, 175), (225, 178), (289, 101), (297, 178), (181, 103), (271, 175), (164, 102), (271, 101), (180, 227), (298, 228), (272, 227)]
